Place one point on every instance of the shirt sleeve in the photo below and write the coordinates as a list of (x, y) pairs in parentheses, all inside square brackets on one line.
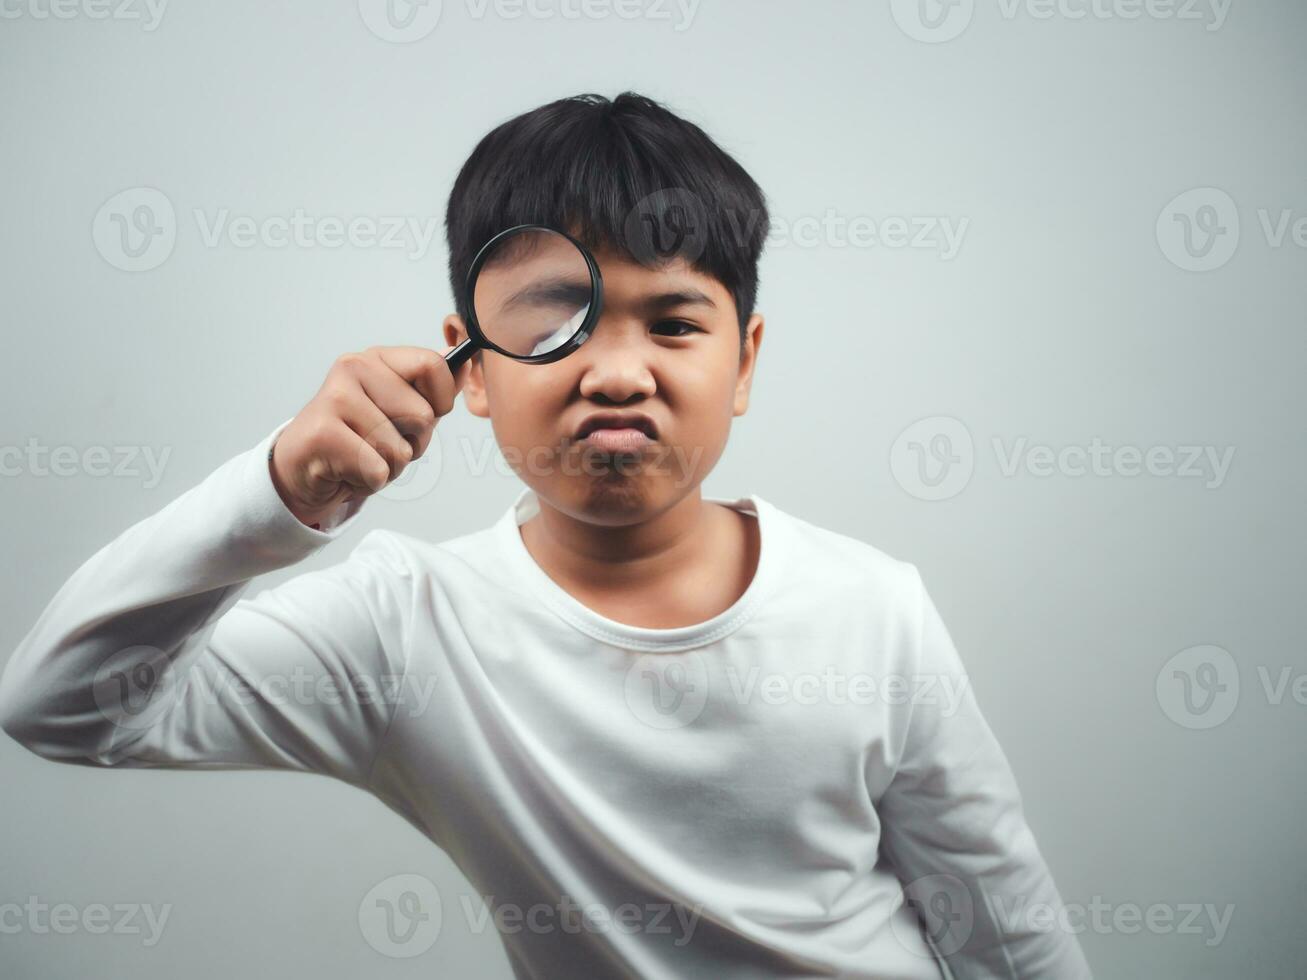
[(953, 827), (149, 656)]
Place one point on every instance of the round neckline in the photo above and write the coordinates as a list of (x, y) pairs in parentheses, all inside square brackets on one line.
[(644, 638)]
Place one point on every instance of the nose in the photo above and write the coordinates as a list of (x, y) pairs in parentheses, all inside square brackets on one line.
[(615, 362)]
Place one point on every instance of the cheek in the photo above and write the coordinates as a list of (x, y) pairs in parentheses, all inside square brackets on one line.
[(524, 402), (707, 391)]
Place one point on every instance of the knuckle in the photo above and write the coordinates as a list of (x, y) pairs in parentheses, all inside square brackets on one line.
[(336, 398), (316, 470), (319, 431), (350, 361), (377, 473), (426, 414)]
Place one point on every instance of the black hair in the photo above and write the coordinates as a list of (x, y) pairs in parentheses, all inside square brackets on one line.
[(625, 174)]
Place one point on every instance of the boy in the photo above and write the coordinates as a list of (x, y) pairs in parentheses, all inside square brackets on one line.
[(745, 739)]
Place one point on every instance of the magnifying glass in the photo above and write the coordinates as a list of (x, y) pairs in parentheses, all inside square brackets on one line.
[(533, 294)]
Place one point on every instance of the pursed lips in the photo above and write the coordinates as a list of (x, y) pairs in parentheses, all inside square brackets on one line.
[(616, 432)]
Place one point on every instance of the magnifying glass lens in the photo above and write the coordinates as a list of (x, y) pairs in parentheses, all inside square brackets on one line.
[(533, 292)]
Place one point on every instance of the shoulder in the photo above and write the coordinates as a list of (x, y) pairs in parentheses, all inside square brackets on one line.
[(415, 558), (853, 568)]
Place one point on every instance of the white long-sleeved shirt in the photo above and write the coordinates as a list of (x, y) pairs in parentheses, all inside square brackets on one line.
[(751, 796)]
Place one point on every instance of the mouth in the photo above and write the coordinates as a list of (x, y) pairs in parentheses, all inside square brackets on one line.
[(617, 432), (617, 440)]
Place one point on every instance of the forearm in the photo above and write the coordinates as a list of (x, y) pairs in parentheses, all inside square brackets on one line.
[(83, 682)]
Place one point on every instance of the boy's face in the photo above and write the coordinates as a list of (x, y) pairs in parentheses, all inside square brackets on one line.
[(668, 346)]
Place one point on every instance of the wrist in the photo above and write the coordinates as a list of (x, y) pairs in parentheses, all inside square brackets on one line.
[(310, 518)]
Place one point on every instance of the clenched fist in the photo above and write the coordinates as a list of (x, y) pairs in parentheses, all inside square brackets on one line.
[(375, 414)]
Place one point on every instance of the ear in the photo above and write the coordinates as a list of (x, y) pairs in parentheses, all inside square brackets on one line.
[(748, 358), (474, 389)]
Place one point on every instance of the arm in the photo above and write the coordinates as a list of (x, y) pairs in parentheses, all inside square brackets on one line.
[(953, 827), (148, 656)]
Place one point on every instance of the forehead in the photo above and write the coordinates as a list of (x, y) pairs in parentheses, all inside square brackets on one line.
[(626, 280)]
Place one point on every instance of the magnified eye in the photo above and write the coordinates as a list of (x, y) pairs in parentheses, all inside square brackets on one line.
[(680, 327)]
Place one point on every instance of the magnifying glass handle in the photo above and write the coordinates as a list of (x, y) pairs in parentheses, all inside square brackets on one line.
[(461, 353)]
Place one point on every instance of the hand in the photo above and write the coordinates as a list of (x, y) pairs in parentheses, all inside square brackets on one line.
[(375, 413)]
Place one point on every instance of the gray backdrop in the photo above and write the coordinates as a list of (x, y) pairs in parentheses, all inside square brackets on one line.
[(1035, 301)]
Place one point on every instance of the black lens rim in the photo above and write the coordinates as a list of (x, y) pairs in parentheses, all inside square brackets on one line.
[(577, 339)]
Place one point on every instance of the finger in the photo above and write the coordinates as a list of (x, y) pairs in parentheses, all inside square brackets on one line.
[(408, 411), (367, 421), (369, 471), (351, 461), (427, 371)]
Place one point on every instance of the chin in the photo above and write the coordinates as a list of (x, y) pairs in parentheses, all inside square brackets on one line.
[(610, 499)]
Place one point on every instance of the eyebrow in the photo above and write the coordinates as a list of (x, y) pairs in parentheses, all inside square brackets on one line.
[(550, 292), (688, 296)]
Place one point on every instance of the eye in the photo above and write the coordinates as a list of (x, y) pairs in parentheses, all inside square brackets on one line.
[(681, 326)]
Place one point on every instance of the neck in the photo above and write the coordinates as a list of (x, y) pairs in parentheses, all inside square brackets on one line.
[(600, 557)]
